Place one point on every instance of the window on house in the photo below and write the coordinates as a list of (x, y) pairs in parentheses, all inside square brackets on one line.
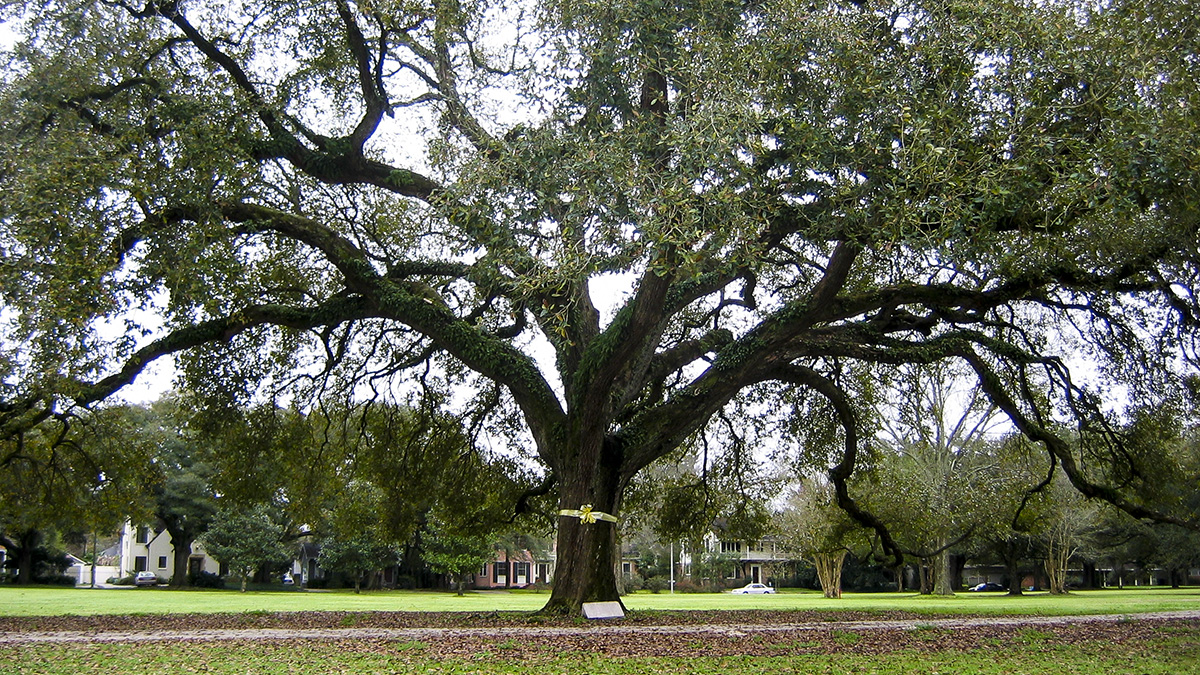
[(543, 571), (731, 547), (139, 563), (500, 571), (521, 569), (627, 569), (143, 534), (162, 562), (483, 573)]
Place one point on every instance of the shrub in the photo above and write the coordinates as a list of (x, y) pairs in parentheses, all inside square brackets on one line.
[(632, 582), (46, 578), (705, 586), (656, 584), (123, 581), (55, 580), (205, 580)]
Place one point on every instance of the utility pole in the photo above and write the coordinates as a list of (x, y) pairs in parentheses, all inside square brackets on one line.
[(672, 567)]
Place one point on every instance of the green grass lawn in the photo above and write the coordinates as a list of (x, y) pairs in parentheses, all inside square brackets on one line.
[(1169, 650), (54, 601)]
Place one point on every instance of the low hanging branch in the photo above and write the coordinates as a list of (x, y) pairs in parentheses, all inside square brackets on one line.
[(1060, 449), (840, 474)]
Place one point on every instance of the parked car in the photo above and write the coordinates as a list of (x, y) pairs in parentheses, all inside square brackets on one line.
[(753, 588), (988, 586), (288, 580), (145, 579)]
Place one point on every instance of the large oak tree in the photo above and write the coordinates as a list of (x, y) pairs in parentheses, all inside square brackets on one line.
[(329, 194)]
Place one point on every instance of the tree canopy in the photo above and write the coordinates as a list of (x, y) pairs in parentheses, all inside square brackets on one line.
[(793, 196), (246, 538), (82, 477)]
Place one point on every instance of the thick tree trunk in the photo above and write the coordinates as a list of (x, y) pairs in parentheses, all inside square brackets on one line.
[(1012, 568), (182, 553), (27, 541), (943, 571), (587, 551), (1089, 575), (926, 575), (959, 564)]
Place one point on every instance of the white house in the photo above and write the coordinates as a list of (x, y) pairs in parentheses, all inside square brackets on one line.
[(144, 549), (756, 559)]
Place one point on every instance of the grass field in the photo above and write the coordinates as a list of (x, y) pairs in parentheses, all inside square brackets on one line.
[(51, 601), (1158, 649)]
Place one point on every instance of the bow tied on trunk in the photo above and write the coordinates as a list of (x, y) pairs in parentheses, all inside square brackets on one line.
[(587, 516)]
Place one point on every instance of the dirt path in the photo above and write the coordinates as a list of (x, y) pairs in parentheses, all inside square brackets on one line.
[(711, 638)]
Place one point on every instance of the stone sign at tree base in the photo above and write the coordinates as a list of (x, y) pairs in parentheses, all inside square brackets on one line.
[(603, 610)]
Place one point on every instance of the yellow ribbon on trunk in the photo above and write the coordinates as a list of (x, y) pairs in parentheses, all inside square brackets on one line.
[(586, 515)]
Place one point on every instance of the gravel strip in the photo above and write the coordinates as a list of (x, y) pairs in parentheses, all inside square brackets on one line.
[(432, 634)]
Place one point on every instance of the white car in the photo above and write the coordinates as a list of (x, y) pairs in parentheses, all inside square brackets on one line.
[(145, 579), (753, 588)]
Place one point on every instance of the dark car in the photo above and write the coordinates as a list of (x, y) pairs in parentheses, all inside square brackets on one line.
[(988, 586)]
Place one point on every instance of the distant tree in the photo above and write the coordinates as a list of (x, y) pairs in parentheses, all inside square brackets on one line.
[(246, 538), (88, 476), (37, 555), (654, 555), (185, 500), (356, 540), (944, 468), (713, 485), (1121, 539), (1176, 550), (355, 555), (814, 528), (366, 477), (711, 568), (165, 468), (1065, 525), (27, 515), (458, 556), (185, 505)]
